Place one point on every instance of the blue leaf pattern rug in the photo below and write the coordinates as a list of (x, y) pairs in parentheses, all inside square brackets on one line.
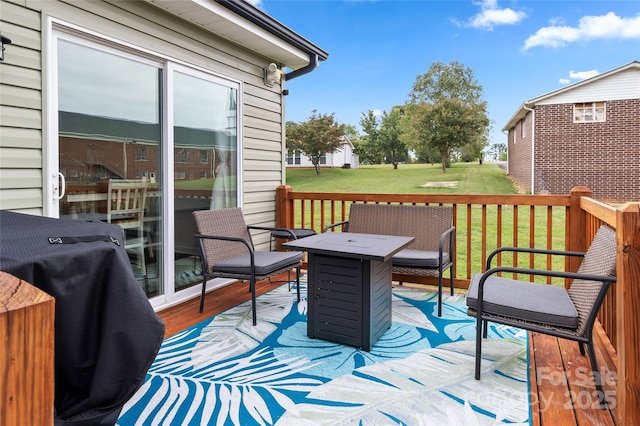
[(225, 371)]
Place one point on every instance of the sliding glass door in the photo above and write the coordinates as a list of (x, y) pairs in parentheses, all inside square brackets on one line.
[(130, 120)]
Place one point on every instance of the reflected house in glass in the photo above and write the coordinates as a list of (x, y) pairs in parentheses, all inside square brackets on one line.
[(121, 149), (97, 148)]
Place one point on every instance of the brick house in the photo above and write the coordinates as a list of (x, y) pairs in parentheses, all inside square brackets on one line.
[(585, 134)]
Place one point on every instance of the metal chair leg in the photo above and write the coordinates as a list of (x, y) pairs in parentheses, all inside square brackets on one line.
[(479, 326), (596, 375), (204, 289)]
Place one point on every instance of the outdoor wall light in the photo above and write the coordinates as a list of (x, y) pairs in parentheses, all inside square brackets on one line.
[(3, 40), (272, 75)]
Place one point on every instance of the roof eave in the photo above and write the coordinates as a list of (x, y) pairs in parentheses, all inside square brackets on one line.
[(247, 26)]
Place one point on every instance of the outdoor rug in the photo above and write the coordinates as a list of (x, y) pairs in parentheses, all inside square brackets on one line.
[(224, 371)]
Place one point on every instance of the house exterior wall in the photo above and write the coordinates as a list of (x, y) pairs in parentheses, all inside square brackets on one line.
[(343, 157), (520, 153), (21, 123), (23, 86), (604, 156)]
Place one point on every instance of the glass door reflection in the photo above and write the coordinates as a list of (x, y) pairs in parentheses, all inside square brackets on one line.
[(205, 161)]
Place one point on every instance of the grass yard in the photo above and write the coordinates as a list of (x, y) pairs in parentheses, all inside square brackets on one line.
[(461, 178)]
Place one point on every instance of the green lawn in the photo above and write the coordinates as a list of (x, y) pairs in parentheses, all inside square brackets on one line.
[(461, 178)]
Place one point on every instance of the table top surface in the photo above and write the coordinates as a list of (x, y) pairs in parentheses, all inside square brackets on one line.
[(346, 244)]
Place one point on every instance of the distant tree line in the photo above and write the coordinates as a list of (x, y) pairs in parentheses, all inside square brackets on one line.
[(444, 119)]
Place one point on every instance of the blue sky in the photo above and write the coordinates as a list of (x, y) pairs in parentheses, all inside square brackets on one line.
[(518, 50)]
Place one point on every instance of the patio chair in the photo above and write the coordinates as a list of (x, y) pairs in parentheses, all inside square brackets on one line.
[(228, 252), (545, 308), (126, 203)]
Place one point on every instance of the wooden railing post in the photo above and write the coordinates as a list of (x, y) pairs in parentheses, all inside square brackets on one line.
[(576, 238), (628, 314), (284, 207), (26, 355)]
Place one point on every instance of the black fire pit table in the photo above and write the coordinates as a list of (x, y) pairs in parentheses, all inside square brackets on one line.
[(349, 286)]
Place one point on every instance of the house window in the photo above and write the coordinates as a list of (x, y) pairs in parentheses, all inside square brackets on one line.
[(589, 112), (141, 153), (323, 158), (293, 157), (181, 156), (204, 157)]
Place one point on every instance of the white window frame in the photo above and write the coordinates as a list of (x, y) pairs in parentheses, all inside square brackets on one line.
[(597, 111), (294, 158)]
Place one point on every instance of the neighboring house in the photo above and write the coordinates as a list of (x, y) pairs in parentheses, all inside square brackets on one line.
[(585, 134), (188, 95), (343, 157)]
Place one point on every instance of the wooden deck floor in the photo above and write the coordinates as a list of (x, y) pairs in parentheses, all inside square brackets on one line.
[(561, 392)]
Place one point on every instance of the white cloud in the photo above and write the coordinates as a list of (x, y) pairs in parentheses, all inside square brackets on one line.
[(557, 21), (609, 26), (377, 112), (582, 75), (579, 75), (491, 16)]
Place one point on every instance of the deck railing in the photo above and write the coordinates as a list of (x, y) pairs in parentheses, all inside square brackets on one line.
[(485, 222)]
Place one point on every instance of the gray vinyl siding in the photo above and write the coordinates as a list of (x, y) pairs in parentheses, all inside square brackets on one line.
[(21, 111), (139, 24)]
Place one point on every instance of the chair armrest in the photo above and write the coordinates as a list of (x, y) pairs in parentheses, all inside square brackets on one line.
[(531, 250), (271, 228), (333, 225), (450, 235), (538, 272), (205, 261)]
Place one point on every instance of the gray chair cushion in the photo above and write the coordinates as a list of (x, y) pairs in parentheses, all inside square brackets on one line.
[(266, 262), (418, 258), (542, 303)]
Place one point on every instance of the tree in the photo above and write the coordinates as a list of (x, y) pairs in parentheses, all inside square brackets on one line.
[(369, 151), (352, 133), (447, 110), (317, 136), (499, 151), (383, 140)]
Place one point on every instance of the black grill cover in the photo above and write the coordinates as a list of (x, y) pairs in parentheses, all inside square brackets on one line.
[(106, 332)]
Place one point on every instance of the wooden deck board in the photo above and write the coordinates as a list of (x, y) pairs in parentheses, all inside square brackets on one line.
[(553, 396), (557, 369)]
